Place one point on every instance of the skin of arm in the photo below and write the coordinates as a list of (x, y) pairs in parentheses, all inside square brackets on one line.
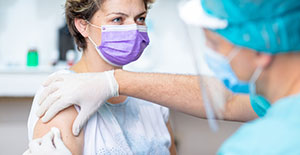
[(239, 108), (63, 121), (179, 92), (173, 147)]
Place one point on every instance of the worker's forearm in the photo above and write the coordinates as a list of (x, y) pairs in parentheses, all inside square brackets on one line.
[(182, 93), (178, 92), (239, 108)]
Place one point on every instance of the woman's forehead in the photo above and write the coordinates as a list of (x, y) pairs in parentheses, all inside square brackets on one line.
[(124, 6)]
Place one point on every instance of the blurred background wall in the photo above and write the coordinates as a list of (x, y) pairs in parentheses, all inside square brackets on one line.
[(34, 24), (29, 24)]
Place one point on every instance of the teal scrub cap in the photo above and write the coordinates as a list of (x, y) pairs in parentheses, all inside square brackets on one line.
[(268, 26)]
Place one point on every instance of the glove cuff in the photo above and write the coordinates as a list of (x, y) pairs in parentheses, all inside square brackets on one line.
[(113, 83)]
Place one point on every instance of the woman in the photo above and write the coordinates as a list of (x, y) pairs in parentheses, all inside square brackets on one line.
[(111, 34)]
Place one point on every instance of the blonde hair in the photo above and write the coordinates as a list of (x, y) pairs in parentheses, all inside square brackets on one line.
[(84, 9)]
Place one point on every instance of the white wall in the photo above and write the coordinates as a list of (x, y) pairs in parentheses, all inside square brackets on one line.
[(29, 24)]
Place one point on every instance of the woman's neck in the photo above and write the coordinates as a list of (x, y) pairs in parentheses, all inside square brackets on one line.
[(282, 79), (91, 62)]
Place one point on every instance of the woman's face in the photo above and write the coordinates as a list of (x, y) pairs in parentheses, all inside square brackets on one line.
[(117, 12)]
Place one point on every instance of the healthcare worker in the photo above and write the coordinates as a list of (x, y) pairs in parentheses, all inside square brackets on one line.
[(256, 50)]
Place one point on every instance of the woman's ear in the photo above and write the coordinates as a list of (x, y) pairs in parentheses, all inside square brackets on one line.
[(82, 27), (264, 60)]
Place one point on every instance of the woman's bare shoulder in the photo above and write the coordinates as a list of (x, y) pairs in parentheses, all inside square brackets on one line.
[(63, 121)]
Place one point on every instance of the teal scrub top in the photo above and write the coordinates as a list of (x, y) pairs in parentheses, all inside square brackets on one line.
[(278, 132), (259, 104)]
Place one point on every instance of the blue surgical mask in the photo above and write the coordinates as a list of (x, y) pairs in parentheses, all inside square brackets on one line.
[(220, 65)]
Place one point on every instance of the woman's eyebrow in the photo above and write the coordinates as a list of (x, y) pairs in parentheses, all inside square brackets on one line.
[(118, 13), (140, 14), (124, 14)]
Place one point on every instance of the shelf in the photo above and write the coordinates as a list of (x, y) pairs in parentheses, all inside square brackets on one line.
[(27, 70), (22, 81)]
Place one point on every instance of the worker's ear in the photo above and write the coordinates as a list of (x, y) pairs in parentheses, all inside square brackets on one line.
[(82, 27), (264, 60)]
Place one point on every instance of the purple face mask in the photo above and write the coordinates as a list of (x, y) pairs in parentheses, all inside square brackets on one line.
[(122, 44)]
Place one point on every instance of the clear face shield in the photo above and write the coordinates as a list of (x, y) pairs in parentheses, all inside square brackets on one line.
[(214, 93)]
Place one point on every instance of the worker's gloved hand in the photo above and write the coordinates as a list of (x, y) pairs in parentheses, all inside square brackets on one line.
[(50, 144), (88, 90)]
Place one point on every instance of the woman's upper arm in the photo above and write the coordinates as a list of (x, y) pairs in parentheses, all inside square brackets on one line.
[(173, 147), (63, 121)]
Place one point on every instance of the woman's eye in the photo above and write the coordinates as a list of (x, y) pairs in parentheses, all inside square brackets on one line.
[(117, 20), (141, 19)]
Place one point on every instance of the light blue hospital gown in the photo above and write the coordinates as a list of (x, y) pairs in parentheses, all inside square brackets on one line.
[(278, 132), (133, 127)]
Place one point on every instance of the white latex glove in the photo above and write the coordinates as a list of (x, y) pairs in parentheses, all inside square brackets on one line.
[(50, 144), (88, 90)]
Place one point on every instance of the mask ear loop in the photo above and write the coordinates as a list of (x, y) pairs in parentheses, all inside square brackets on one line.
[(91, 40), (255, 75), (99, 27), (253, 80), (232, 54)]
